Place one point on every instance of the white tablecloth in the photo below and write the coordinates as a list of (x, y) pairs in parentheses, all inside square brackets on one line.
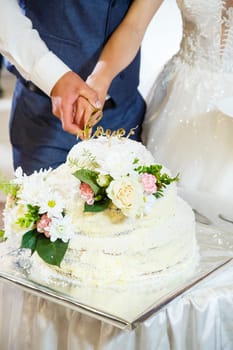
[(200, 319)]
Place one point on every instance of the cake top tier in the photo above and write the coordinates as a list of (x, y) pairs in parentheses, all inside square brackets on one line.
[(114, 156)]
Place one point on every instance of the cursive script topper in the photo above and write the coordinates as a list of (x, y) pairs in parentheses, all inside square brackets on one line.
[(115, 133)]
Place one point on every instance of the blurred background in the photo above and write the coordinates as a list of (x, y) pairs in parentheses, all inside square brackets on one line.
[(160, 43)]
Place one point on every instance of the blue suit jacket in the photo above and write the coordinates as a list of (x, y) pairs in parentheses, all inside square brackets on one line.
[(76, 31)]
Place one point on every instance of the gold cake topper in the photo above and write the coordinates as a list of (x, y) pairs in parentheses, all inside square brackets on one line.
[(94, 118), (109, 133)]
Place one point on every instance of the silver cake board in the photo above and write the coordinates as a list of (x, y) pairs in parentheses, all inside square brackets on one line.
[(128, 308)]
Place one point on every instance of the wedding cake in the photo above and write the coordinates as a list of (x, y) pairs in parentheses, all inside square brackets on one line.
[(109, 216)]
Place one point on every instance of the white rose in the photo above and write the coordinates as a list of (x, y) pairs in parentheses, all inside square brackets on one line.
[(118, 163), (126, 194)]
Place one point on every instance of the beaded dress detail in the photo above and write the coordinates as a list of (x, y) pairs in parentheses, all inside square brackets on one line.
[(183, 127)]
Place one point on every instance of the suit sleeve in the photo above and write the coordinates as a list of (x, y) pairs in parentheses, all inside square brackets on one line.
[(23, 47)]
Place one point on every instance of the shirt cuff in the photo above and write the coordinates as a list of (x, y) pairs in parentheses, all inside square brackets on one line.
[(47, 71)]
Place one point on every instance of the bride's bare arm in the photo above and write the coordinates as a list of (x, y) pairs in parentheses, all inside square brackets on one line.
[(123, 45), (118, 53)]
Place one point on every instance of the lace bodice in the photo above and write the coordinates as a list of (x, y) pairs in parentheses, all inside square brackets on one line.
[(207, 34)]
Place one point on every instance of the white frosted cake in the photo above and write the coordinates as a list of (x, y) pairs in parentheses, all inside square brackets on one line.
[(109, 216)]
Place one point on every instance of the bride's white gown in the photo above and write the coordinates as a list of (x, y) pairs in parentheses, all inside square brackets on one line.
[(183, 127)]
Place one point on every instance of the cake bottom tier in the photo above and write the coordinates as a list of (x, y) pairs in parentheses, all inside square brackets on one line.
[(156, 254)]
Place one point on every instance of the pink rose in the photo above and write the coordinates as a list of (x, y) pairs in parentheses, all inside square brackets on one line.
[(42, 225), (87, 194), (149, 183)]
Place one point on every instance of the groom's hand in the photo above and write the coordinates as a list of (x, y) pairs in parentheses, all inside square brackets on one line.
[(65, 95)]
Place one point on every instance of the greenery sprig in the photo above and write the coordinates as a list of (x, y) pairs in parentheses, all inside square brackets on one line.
[(31, 216), (162, 179)]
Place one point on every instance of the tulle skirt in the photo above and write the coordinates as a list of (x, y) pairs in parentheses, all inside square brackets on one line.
[(186, 132)]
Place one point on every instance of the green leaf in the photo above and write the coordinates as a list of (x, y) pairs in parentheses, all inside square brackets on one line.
[(51, 252), (97, 206), (89, 177), (29, 240)]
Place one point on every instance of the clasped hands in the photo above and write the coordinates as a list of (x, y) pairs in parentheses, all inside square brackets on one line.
[(77, 104)]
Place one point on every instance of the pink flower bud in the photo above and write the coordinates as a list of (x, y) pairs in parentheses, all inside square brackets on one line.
[(149, 183), (87, 194), (42, 225)]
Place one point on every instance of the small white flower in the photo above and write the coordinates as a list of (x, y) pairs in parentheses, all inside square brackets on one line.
[(52, 204), (61, 228), (32, 187)]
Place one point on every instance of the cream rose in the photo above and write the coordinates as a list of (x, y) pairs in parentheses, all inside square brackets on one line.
[(126, 194)]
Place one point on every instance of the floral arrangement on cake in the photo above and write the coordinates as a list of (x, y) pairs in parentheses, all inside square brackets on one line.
[(121, 176)]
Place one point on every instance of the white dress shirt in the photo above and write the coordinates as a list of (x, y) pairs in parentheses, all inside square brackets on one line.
[(23, 47)]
